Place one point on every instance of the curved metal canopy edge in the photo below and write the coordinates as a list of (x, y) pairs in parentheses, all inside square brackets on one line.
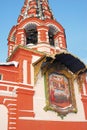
[(71, 62)]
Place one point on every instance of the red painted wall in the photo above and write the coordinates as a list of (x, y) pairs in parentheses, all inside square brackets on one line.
[(51, 125)]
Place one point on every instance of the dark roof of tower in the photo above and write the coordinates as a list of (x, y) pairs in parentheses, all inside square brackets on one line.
[(36, 8)]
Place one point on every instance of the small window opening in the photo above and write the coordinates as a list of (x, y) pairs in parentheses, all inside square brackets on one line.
[(32, 36), (51, 39), (0, 76)]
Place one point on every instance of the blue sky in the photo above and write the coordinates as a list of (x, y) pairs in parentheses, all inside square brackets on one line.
[(71, 14)]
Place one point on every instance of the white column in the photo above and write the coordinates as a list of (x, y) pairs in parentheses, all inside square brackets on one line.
[(25, 71), (84, 89)]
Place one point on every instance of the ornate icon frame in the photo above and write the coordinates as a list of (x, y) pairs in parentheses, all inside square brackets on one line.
[(61, 109)]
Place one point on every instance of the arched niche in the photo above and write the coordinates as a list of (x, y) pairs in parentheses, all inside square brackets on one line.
[(51, 34), (31, 34), (3, 117)]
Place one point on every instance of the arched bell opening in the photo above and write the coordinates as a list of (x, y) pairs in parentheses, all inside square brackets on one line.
[(51, 38), (51, 34), (31, 34)]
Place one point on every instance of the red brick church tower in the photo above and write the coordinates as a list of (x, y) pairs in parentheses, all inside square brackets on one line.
[(42, 85)]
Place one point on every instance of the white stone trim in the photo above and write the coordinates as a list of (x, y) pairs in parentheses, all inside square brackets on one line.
[(15, 63), (32, 74), (84, 89), (15, 87), (25, 71)]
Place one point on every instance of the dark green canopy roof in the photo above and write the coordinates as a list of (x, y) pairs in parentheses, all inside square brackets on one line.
[(74, 64), (71, 62)]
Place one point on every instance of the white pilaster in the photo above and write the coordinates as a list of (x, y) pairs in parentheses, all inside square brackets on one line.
[(25, 71)]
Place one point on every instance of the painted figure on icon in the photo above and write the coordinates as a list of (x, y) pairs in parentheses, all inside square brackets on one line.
[(59, 90)]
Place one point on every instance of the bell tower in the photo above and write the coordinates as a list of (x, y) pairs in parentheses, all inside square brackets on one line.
[(37, 29)]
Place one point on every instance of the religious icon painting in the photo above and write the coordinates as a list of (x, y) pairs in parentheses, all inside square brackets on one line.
[(59, 90), (60, 93)]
